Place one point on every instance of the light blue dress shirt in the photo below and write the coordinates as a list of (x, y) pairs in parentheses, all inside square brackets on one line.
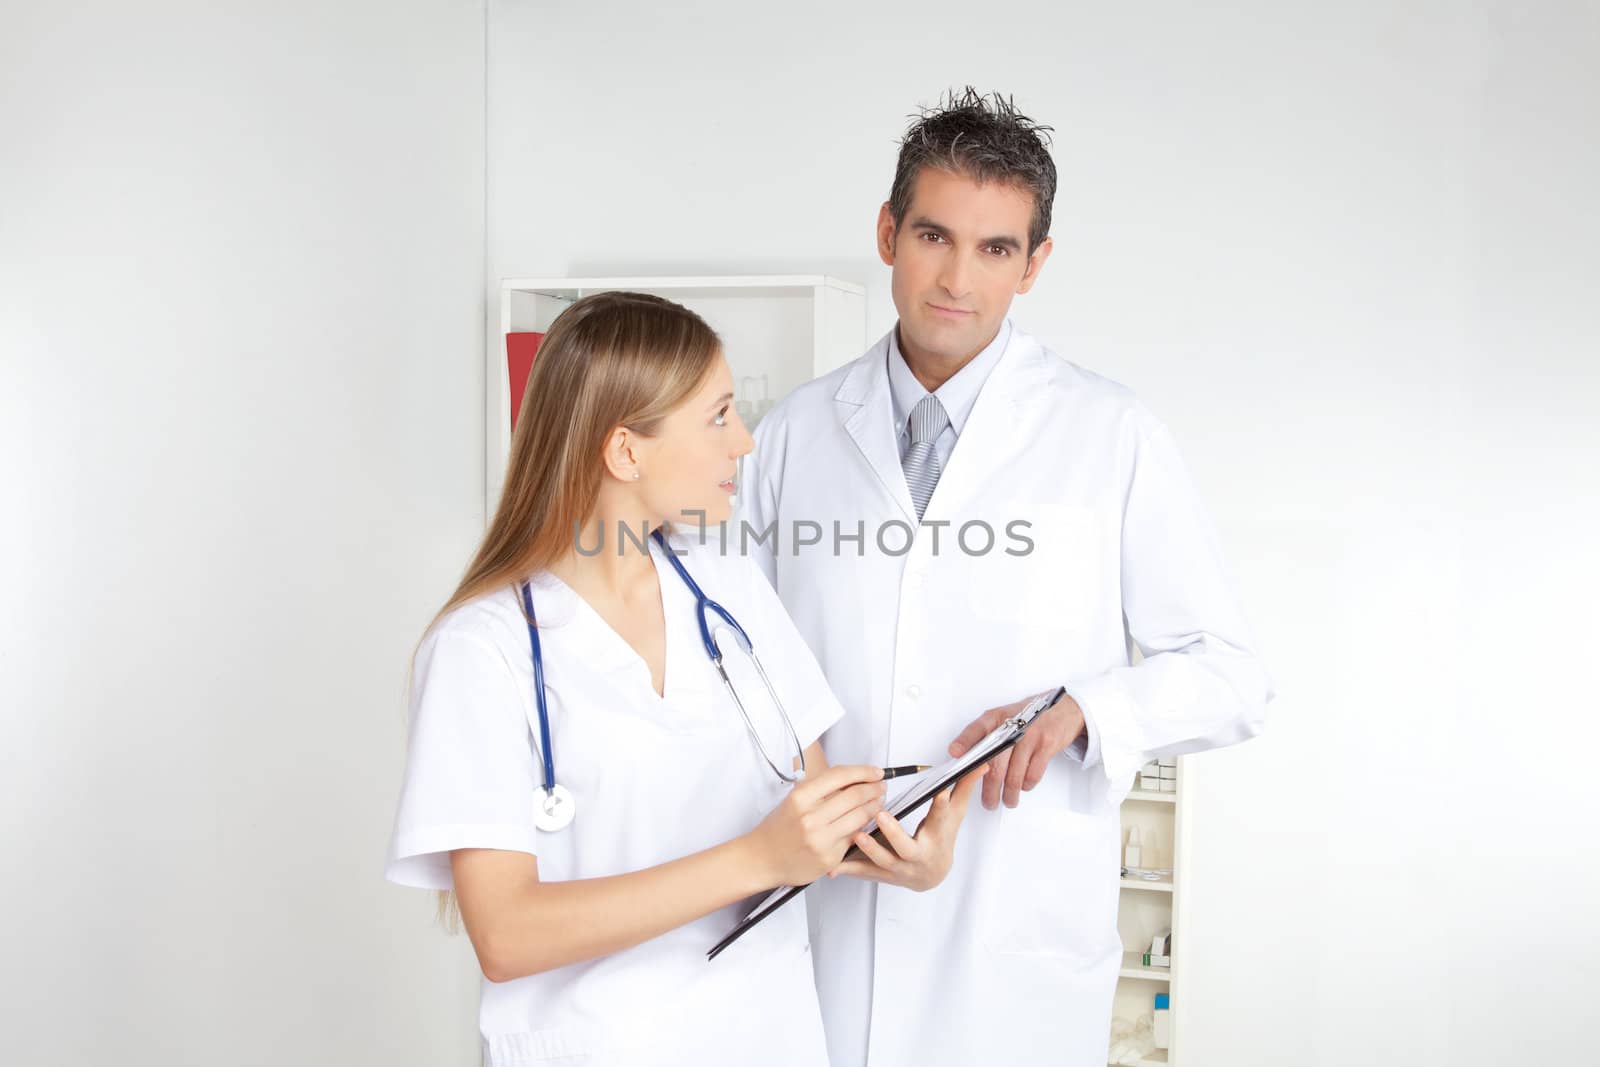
[(957, 395)]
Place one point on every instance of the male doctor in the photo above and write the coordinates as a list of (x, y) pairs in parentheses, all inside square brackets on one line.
[(957, 521)]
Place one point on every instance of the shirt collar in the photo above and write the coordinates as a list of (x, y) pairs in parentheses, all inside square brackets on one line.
[(957, 395)]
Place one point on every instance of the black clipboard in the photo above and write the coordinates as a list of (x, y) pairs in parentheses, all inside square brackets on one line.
[(999, 740)]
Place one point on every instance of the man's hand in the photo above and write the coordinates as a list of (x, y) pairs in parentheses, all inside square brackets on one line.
[(919, 862), (1022, 766)]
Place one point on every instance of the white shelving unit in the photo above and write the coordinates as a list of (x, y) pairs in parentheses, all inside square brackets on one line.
[(1147, 907), (778, 331)]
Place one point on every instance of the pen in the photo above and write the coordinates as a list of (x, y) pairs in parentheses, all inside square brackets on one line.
[(896, 772)]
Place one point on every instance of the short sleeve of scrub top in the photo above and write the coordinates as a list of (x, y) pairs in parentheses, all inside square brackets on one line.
[(470, 771)]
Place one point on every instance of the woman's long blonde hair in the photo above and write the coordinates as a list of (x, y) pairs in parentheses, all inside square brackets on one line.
[(611, 359)]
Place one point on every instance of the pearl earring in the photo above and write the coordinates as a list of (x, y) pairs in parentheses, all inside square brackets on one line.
[(635, 475)]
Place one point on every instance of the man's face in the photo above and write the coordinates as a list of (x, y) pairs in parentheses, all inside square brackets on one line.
[(959, 256)]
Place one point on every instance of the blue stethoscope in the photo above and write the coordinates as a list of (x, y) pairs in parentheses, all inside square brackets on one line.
[(554, 807)]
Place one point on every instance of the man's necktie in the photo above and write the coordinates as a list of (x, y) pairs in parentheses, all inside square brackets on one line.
[(921, 461)]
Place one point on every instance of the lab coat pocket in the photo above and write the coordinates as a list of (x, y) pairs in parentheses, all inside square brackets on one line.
[(1046, 890), (1053, 558)]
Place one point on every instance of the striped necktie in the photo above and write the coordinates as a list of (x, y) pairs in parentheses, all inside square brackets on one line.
[(921, 461)]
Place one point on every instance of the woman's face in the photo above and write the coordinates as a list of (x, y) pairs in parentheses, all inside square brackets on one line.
[(687, 470)]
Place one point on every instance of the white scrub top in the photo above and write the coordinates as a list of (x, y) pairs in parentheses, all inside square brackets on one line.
[(654, 779)]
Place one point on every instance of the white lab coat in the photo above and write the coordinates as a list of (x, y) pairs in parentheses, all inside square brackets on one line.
[(1013, 959)]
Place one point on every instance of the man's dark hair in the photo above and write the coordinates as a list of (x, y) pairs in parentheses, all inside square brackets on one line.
[(984, 138)]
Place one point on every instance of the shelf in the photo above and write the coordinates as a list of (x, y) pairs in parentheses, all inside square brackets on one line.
[(1147, 908), (763, 284), (778, 332), (1158, 1058), (1132, 967), (1162, 886)]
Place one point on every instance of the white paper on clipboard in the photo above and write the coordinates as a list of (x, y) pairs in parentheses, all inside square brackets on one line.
[(925, 785)]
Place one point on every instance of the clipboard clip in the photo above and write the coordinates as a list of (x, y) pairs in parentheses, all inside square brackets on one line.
[(1038, 706)]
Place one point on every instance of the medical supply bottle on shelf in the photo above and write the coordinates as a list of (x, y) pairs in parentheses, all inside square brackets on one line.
[(1161, 1028)]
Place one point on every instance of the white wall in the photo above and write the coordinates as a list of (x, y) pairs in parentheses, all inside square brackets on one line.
[(241, 261), (1348, 252)]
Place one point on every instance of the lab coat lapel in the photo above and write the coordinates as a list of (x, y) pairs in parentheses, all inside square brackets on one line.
[(991, 427), (866, 410)]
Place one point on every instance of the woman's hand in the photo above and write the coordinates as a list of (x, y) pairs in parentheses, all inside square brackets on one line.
[(807, 835), (919, 862), (520, 925)]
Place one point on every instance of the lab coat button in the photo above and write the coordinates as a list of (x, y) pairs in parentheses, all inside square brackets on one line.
[(913, 691)]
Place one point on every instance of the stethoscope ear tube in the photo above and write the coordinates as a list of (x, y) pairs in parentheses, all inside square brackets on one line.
[(545, 753), (555, 808), (791, 776)]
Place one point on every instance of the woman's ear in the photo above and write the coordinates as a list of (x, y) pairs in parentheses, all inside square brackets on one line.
[(621, 460)]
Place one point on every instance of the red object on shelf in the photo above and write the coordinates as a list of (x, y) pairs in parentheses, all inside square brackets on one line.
[(520, 349)]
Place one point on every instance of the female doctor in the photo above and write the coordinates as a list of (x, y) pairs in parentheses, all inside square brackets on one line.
[(600, 818)]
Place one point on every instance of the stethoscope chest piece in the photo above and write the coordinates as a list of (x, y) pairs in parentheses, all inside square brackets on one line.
[(553, 809)]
